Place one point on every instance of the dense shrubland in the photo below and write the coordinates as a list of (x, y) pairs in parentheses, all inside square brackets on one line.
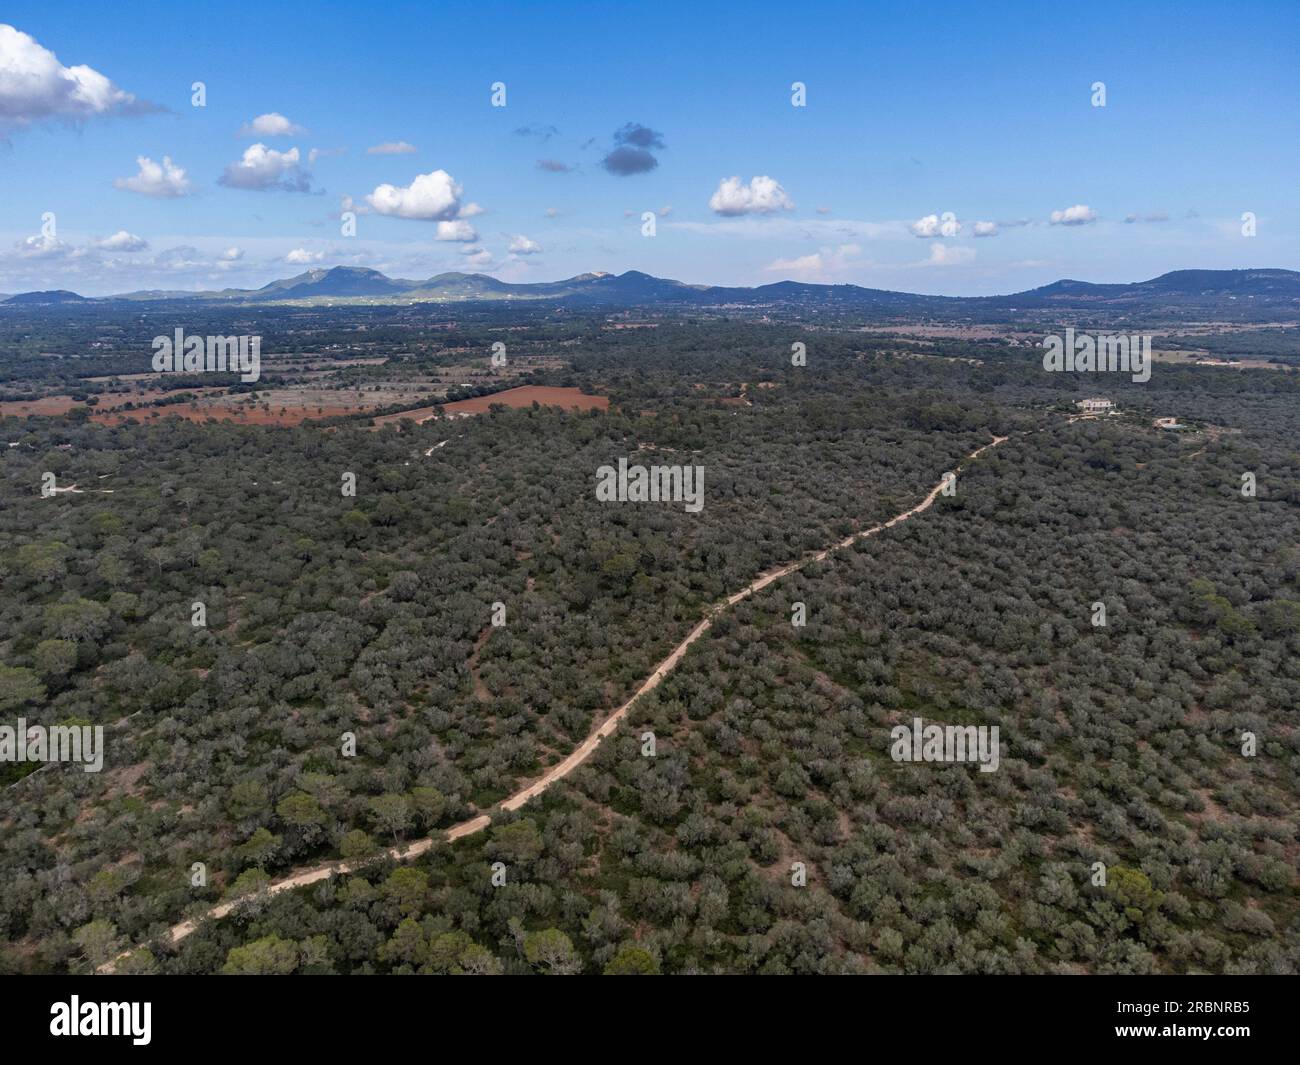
[(370, 615)]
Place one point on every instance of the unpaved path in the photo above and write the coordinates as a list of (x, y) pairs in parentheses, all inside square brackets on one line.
[(588, 746)]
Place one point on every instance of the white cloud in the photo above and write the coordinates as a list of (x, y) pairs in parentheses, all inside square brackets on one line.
[(926, 227), (456, 229), (1078, 215), (263, 168), (322, 153), (112, 263), (392, 148), (825, 264), (301, 256), (948, 255), (479, 257), (521, 245), (823, 230), (933, 225), (763, 195), (182, 257), (985, 229), (160, 180), (432, 197), (270, 125), (804, 266), (122, 241), (42, 247), (34, 86)]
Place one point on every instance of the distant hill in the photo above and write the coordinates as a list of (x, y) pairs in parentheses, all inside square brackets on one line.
[(337, 281), (58, 295), (1233, 292), (1196, 286)]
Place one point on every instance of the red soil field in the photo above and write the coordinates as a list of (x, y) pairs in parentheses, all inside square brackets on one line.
[(526, 396), (104, 414), (52, 406), (49, 406)]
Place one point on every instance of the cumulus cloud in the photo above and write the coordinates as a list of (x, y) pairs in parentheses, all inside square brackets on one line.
[(35, 86), (522, 245), (392, 148), (270, 125), (1078, 215), (101, 267), (264, 169), (948, 255), (301, 256), (624, 162), (933, 225), (431, 197), (1154, 216), (121, 254), (554, 166), (122, 241), (160, 180), (632, 153), (94, 253), (985, 229), (458, 230), (41, 247), (763, 195)]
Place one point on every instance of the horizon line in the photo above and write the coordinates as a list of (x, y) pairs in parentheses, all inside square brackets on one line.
[(694, 286)]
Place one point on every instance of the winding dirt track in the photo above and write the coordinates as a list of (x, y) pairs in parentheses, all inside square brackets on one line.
[(585, 749)]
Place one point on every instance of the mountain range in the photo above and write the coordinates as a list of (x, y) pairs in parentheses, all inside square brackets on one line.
[(1210, 290)]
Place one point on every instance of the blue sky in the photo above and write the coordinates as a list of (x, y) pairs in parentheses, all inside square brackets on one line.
[(936, 144)]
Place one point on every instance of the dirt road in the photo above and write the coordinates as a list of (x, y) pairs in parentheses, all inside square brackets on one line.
[(589, 745)]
